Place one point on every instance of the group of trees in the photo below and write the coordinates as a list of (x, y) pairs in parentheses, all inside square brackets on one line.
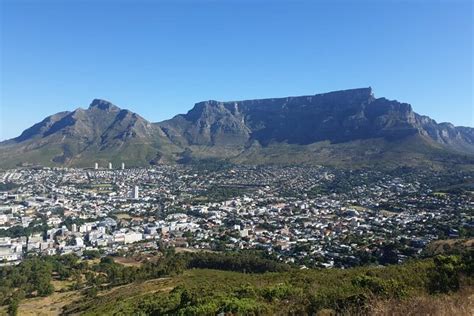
[(222, 193), (247, 262), (7, 186), (110, 273), (31, 278), (37, 226), (448, 271)]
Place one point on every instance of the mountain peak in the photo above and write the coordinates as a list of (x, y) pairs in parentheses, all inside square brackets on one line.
[(103, 105), (243, 131)]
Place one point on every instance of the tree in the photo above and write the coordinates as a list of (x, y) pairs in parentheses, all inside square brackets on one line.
[(91, 292), (444, 276), (389, 255), (91, 254), (13, 307)]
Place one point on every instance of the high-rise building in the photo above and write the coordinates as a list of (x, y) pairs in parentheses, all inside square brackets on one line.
[(110, 165), (96, 166), (135, 192), (123, 165)]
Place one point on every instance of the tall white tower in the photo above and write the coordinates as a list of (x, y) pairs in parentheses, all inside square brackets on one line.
[(135, 192), (123, 165), (96, 166), (110, 165)]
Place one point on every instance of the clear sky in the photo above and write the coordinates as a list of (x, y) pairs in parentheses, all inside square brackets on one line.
[(159, 58)]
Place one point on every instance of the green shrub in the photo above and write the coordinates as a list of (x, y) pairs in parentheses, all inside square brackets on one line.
[(244, 306), (245, 291), (384, 288), (445, 275), (280, 291)]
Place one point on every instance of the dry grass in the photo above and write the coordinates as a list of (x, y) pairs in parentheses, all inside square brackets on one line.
[(128, 261), (448, 246), (458, 304), (51, 305), (61, 285), (149, 286), (181, 250)]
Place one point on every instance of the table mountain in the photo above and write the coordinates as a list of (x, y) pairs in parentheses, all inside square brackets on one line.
[(349, 127)]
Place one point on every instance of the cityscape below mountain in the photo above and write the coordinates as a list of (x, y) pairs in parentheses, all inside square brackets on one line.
[(291, 187), (258, 207)]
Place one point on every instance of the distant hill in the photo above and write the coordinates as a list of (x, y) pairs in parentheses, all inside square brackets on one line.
[(349, 127)]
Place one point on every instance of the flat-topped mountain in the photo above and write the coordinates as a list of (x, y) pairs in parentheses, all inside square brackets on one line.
[(337, 117), (343, 127)]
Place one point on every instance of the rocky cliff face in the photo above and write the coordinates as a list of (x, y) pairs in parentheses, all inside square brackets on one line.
[(459, 138), (340, 116), (350, 123)]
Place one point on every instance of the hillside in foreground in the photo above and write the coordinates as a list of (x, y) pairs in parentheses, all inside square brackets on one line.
[(189, 284)]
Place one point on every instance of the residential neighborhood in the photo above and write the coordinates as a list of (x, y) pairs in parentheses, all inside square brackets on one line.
[(309, 216)]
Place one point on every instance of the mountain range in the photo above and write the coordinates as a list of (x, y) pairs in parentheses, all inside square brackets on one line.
[(344, 128)]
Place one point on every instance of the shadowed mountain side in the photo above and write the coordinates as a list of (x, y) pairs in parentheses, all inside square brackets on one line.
[(344, 128), (339, 116)]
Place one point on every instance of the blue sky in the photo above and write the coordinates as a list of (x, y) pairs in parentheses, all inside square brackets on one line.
[(159, 58)]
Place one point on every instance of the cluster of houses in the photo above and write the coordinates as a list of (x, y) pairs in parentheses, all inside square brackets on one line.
[(300, 214)]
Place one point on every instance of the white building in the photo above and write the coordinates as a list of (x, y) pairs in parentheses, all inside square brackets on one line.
[(3, 219), (119, 237), (79, 242), (5, 241), (135, 192), (87, 227), (8, 254), (244, 233), (132, 237)]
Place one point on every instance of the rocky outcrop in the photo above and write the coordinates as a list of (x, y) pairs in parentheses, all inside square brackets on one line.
[(340, 116), (242, 129)]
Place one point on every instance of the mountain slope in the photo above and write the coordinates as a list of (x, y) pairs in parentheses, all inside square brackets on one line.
[(339, 116), (101, 133), (347, 128)]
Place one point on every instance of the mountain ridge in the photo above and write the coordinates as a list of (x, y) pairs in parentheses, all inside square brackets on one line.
[(241, 131)]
